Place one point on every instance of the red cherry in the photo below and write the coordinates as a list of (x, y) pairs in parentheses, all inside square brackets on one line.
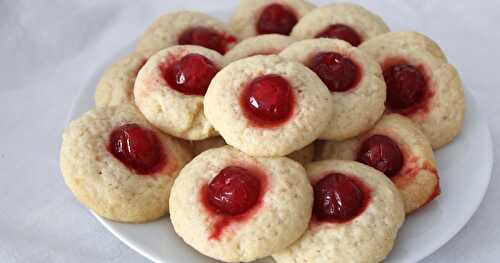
[(339, 73), (276, 19), (233, 191), (205, 37), (406, 86), (381, 153), (343, 32), (337, 198), (268, 100), (137, 148), (190, 75)]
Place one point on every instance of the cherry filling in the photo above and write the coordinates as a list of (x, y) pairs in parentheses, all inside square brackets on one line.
[(343, 32), (339, 73), (190, 75), (276, 19), (406, 86), (339, 198), (232, 195), (206, 37), (381, 153), (137, 148), (268, 101)]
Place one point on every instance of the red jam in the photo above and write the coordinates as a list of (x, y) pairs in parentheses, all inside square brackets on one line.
[(343, 32), (381, 153), (338, 72), (406, 86), (190, 75), (276, 19), (137, 148), (268, 101), (206, 37), (233, 195), (339, 198)]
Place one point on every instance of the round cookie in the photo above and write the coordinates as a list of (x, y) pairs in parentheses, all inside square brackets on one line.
[(187, 28), (403, 40), (268, 106), (421, 86), (356, 216), (258, 45), (237, 208), (345, 21), (170, 87), (397, 147), (117, 83), (118, 165), (257, 17), (355, 81)]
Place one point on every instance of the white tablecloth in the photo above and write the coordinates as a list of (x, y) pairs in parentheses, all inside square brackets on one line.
[(48, 51)]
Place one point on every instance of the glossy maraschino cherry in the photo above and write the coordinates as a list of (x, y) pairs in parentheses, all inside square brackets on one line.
[(191, 74), (343, 32), (381, 153), (234, 191), (338, 198), (205, 37), (406, 86), (137, 148), (268, 100), (338, 72), (276, 19)]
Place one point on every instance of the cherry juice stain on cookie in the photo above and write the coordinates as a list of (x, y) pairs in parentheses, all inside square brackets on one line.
[(268, 101), (190, 75), (338, 72), (137, 148), (408, 88), (234, 195), (276, 19), (206, 37), (339, 198), (341, 31), (381, 153)]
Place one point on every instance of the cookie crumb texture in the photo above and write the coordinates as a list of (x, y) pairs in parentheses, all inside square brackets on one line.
[(102, 182), (281, 218), (311, 113)]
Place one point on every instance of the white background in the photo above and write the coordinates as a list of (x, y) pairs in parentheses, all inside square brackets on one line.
[(50, 49)]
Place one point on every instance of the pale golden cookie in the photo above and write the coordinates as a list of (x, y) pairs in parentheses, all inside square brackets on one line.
[(368, 237), (364, 23), (259, 45), (245, 19), (273, 221), (357, 109), (173, 111), (104, 183), (440, 109), (417, 179), (268, 106), (172, 29)]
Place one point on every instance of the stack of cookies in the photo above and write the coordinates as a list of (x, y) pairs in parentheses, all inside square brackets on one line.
[(298, 132)]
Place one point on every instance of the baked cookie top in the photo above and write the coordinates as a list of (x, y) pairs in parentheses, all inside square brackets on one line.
[(169, 90), (348, 22), (237, 208), (356, 215), (268, 106), (354, 79), (258, 17), (420, 85), (118, 165), (398, 148), (187, 28), (258, 45)]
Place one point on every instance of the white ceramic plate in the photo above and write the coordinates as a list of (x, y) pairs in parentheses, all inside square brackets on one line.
[(464, 167)]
